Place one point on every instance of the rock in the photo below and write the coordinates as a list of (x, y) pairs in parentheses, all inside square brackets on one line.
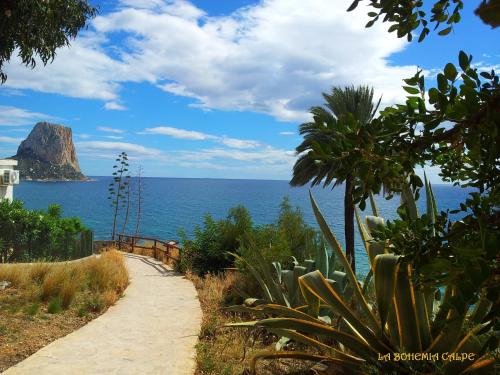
[(48, 154), (5, 284)]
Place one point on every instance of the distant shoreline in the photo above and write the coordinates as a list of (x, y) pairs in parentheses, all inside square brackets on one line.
[(87, 179)]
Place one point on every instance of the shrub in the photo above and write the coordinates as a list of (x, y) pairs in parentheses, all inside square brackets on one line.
[(27, 235), (208, 250), (55, 305)]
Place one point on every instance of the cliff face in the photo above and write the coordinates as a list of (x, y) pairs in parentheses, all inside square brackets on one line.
[(48, 154)]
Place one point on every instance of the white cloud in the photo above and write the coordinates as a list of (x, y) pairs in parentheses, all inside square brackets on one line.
[(199, 136), (107, 129), (96, 148), (287, 133), (178, 133), (114, 106), (14, 116), (239, 143), (83, 136), (113, 137), (275, 57), (10, 140)]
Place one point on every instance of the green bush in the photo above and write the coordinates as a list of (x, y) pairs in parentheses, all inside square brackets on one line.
[(208, 250), (289, 236), (26, 235)]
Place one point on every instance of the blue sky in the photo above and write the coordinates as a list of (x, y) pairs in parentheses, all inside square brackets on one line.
[(211, 88)]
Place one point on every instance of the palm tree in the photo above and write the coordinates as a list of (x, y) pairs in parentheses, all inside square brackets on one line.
[(333, 149)]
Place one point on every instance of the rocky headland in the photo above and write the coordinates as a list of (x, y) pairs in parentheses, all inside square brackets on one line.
[(48, 154)]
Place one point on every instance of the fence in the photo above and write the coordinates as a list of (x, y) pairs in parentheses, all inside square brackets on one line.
[(164, 251), (65, 246)]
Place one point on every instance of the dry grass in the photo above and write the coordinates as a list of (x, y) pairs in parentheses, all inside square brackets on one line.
[(228, 351), (75, 292)]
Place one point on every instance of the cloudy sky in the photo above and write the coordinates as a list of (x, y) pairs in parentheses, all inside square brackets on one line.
[(209, 88)]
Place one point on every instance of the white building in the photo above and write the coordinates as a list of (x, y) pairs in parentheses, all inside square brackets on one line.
[(8, 178)]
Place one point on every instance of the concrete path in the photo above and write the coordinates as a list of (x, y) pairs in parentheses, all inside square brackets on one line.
[(153, 329)]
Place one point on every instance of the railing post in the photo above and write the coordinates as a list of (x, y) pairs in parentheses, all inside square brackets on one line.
[(120, 242), (154, 250)]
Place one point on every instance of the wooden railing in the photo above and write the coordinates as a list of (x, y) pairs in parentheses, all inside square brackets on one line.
[(164, 251)]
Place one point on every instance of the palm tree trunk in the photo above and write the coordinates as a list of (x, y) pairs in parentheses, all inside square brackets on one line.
[(349, 222)]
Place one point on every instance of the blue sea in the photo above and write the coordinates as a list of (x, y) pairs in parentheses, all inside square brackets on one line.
[(172, 204)]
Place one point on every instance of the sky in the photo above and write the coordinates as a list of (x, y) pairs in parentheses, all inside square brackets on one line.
[(217, 88)]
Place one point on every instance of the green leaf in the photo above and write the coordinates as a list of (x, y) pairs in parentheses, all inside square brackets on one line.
[(445, 31), (319, 286), (355, 344), (385, 270), (332, 240), (463, 60), (406, 312), (450, 72), (411, 90)]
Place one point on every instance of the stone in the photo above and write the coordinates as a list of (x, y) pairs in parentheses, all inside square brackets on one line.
[(5, 284), (48, 154)]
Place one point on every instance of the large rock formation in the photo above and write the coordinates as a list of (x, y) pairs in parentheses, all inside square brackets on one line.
[(48, 154)]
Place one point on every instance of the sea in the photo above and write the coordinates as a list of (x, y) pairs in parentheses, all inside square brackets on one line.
[(174, 204)]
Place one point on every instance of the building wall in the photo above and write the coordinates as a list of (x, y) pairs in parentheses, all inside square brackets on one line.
[(7, 191)]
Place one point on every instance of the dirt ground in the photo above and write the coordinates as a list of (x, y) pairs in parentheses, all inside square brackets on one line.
[(25, 327)]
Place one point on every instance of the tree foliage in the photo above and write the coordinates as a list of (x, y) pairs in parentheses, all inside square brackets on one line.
[(27, 235), (208, 250), (35, 28), (409, 16), (334, 150)]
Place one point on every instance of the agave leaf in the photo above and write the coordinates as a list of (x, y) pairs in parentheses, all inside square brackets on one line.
[(366, 281), (257, 276), (332, 240), (481, 310), (374, 223), (483, 366), (297, 272), (267, 275), (277, 268), (291, 285), (331, 265), (299, 337), (355, 344), (428, 200), (310, 265), (335, 286), (469, 344), (274, 309), (363, 231), (340, 278), (423, 318), (385, 271), (374, 249), (408, 200), (406, 312), (392, 325), (449, 334), (317, 284), (373, 205), (322, 260), (443, 309), (312, 301)]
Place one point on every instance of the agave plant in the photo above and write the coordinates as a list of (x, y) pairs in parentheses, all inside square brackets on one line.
[(405, 331), (281, 286)]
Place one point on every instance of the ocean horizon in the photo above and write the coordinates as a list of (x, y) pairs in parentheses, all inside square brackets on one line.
[(172, 204)]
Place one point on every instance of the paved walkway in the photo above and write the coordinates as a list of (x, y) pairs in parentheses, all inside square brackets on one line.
[(153, 329)]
